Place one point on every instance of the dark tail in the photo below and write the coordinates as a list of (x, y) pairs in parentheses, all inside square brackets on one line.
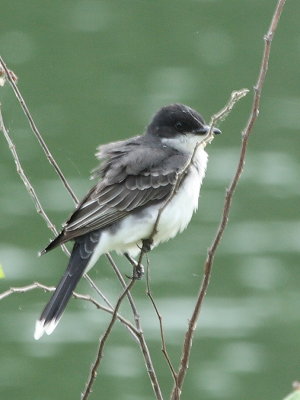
[(81, 254)]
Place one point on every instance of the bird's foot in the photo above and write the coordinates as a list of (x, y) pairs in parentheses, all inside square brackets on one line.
[(138, 269)]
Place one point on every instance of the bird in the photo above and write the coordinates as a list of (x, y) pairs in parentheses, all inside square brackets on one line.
[(135, 179)]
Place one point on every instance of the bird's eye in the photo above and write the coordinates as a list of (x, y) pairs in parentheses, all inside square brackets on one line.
[(178, 125)]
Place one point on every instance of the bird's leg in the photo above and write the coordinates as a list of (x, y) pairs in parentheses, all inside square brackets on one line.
[(138, 268)]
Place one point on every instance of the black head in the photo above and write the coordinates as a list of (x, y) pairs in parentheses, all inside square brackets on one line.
[(177, 119)]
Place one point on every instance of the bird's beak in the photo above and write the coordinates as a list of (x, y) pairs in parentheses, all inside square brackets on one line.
[(205, 129), (216, 131)]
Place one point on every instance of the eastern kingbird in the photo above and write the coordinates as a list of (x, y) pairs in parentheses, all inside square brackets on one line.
[(136, 178)]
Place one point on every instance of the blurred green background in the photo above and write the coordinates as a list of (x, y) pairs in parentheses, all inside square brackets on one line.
[(95, 71)]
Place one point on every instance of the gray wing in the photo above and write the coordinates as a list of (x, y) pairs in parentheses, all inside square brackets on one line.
[(132, 177)]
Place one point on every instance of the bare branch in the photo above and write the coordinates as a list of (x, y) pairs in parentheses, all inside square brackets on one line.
[(37, 285), (36, 132), (26, 181), (95, 366), (228, 200), (123, 283), (95, 287), (162, 335), (141, 338)]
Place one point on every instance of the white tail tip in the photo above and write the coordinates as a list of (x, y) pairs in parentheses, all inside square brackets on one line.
[(41, 328)]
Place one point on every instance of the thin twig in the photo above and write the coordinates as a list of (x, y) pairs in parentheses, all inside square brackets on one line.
[(97, 290), (123, 283), (149, 366), (26, 181), (95, 366), (141, 339), (228, 200), (36, 132), (37, 285), (160, 320)]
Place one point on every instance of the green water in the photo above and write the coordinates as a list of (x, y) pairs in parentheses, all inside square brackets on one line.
[(93, 72)]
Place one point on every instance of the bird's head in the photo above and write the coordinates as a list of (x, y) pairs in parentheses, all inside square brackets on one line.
[(179, 126)]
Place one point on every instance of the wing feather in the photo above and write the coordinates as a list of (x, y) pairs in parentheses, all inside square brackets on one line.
[(130, 180)]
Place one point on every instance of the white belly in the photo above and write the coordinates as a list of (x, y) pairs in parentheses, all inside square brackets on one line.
[(175, 217), (178, 213)]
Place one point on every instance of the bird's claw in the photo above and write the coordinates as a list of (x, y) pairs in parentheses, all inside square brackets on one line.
[(138, 273)]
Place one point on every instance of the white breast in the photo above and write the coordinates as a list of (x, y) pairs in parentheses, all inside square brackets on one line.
[(179, 211)]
